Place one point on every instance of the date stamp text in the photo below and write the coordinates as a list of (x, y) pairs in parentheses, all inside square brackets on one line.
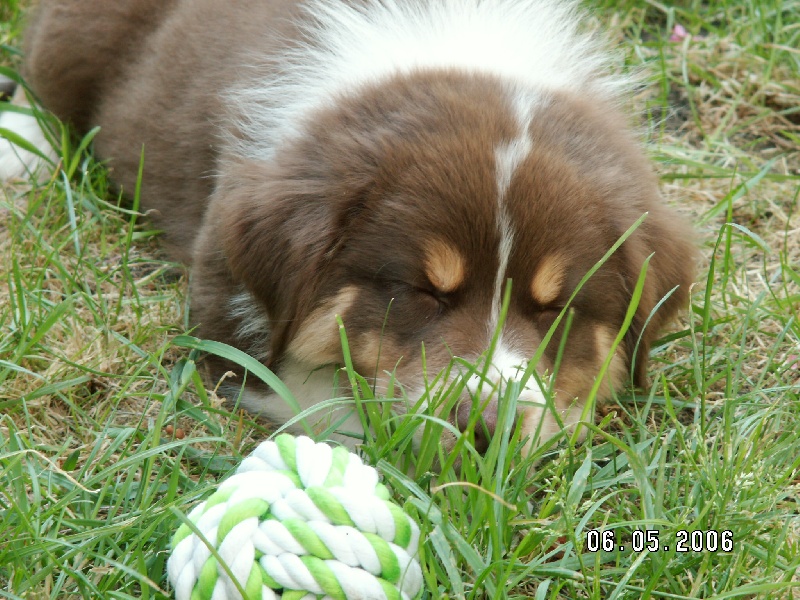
[(640, 540)]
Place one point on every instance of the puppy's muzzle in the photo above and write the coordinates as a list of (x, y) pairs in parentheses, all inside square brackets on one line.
[(484, 394)]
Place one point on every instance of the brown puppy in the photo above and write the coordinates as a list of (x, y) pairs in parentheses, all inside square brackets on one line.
[(393, 162)]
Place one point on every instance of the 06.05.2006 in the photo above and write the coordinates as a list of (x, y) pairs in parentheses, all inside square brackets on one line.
[(698, 540)]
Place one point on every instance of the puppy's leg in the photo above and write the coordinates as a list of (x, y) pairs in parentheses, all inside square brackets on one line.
[(76, 49)]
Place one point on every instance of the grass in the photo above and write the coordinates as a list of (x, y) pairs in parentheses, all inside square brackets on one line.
[(107, 427)]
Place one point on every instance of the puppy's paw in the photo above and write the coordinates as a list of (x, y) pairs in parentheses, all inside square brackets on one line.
[(16, 161)]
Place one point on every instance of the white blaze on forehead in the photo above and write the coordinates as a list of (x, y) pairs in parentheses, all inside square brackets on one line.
[(504, 252), (508, 157), (510, 154)]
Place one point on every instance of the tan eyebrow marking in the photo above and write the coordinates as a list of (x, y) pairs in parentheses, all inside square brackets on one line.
[(549, 278), (444, 266)]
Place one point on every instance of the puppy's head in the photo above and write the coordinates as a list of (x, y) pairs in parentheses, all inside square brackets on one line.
[(405, 209)]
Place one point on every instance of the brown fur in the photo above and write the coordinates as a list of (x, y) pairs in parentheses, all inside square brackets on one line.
[(151, 77), (388, 222)]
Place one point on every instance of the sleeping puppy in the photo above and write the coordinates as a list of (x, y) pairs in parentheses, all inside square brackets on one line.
[(391, 162)]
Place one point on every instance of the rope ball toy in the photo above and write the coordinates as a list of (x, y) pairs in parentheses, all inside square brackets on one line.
[(299, 521)]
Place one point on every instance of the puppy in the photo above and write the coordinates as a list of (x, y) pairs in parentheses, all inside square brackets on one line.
[(391, 162)]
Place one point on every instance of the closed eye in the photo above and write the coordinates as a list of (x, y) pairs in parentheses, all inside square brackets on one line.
[(428, 300), (441, 299), (546, 318)]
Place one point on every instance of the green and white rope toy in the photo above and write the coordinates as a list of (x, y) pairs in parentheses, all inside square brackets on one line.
[(299, 521)]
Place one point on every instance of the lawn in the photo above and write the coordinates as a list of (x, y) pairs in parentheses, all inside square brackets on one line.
[(108, 432)]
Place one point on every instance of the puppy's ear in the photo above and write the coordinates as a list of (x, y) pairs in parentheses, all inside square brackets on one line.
[(668, 237), (277, 233)]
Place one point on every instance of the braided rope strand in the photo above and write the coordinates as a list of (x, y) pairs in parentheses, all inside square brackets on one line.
[(298, 521)]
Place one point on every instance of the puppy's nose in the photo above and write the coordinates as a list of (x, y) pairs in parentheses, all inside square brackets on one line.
[(485, 426), (486, 389)]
